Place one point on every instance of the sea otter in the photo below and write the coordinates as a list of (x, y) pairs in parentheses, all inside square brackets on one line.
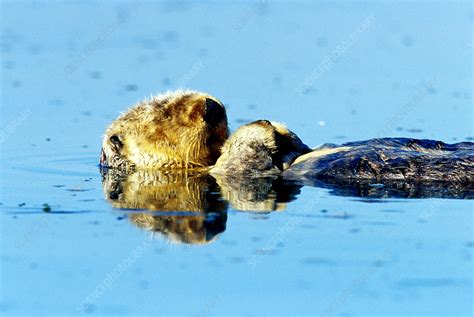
[(180, 129), (263, 166), (263, 147), (188, 129)]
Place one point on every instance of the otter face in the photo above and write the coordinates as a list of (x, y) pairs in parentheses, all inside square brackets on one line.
[(182, 129), (260, 146)]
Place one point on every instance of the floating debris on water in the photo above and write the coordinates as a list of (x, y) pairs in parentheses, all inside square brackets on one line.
[(95, 75), (322, 41), (56, 102), (414, 130), (242, 121), (78, 189), (131, 87), (407, 41), (318, 261), (309, 91), (166, 81), (46, 208)]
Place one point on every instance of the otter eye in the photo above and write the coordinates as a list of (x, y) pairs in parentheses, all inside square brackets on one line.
[(115, 140)]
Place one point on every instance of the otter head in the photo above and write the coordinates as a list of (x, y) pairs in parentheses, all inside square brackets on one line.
[(181, 129), (259, 147)]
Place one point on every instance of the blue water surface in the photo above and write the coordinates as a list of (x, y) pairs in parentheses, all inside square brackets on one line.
[(331, 71)]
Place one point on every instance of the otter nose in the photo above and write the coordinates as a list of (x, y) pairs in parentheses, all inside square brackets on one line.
[(214, 113)]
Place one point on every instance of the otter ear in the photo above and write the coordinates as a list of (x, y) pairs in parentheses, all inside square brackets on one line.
[(264, 123), (115, 140), (215, 112)]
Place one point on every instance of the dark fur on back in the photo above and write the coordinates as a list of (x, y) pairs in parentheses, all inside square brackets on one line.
[(395, 159)]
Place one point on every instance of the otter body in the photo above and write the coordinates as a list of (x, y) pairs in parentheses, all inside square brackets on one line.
[(387, 159), (180, 129), (188, 129), (392, 159)]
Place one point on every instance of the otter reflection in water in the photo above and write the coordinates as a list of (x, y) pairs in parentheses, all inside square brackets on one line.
[(186, 206), (192, 207), (182, 207)]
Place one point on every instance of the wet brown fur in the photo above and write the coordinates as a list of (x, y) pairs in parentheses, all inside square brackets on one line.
[(166, 131), (258, 148)]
